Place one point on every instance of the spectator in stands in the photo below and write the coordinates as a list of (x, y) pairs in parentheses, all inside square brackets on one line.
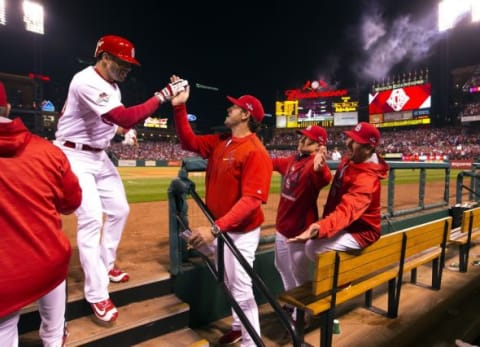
[(336, 155), (352, 214), (238, 179), (303, 178), (36, 184)]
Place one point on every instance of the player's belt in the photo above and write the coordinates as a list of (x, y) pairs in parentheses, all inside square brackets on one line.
[(81, 146)]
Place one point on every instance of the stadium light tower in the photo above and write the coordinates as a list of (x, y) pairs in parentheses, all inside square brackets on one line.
[(3, 15), (450, 12), (33, 17)]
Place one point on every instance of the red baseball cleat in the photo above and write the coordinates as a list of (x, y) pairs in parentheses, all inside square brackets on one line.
[(230, 337), (117, 276), (105, 311)]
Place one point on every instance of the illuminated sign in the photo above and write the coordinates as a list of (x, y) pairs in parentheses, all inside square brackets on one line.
[(420, 121), (400, 99), (312, 90), (346, 105), (286, 108), (297, 94), (389, 86), (152, 122)]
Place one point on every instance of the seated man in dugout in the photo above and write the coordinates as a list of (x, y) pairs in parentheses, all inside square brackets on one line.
[(352, 214)]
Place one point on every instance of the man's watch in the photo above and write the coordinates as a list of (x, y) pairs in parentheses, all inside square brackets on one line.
[(215, 230)]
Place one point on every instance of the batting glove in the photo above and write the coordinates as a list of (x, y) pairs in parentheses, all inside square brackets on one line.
[(171, 90)]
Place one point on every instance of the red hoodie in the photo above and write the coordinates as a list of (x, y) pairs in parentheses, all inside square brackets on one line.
[(36, 184), (353, 202)]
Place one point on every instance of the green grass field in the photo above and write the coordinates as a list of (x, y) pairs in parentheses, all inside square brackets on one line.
[(151, 188)]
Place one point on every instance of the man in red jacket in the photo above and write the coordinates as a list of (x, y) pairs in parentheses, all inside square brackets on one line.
[(237, 183), (352, 214), (297, 209), (36, 185)]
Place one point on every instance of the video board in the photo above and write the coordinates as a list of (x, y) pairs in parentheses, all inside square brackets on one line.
[(400, 104), (400, 99)]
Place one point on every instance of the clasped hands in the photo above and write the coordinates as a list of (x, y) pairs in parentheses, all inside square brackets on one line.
[(175, 87)]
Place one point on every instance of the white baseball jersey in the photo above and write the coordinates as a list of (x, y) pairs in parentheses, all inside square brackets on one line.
[(89, 97)]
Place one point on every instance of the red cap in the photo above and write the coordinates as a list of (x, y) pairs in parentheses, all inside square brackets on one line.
[(315, 133), (3, 95), (364, 133), (118, 47), (251, 104)]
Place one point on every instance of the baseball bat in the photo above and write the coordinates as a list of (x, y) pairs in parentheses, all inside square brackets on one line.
[(204, 86)]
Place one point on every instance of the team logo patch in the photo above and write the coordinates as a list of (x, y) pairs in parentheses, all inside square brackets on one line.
[(103, 98)]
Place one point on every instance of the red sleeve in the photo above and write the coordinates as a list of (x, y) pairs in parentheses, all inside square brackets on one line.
[(351, 207), (321, 178), (183, 129), (241, 211), (128, 117), (281, 164), (72, 193)]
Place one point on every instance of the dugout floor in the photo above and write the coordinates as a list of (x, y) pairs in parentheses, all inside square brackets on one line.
[(426, 318)]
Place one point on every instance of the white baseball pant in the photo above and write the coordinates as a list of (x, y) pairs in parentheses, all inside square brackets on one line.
[(240, 283), (343, 241), (52, 327), (291, 262), (101, 218)]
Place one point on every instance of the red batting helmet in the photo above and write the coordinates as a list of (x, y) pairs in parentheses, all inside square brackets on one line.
[(118, 47)]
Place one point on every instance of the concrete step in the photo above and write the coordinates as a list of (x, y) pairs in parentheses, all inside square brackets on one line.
[(180, 338), (137, 322)]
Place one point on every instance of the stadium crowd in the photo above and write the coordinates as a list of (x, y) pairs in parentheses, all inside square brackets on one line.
[(452, 143)]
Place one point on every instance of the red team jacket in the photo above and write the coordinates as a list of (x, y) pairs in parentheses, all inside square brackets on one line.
[(36, 183), (353, 202), (238, 166), (301, 185)]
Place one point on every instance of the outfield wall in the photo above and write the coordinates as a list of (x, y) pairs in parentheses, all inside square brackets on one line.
[(454, 164), (143, 163)]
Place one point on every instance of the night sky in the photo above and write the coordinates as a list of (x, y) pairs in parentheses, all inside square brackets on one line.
[(238, 47)]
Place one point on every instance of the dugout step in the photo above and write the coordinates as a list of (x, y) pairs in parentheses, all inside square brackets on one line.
[(137, 322), (181, 338)]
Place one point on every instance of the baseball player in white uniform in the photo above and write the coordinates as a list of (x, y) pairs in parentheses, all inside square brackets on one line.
[(90, 117)]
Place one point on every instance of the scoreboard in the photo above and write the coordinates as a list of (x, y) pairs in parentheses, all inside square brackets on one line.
[(316, 104)]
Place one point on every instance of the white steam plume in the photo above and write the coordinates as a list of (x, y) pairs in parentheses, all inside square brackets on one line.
[(387, 44)]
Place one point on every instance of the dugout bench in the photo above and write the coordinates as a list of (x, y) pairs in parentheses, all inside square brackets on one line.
[(462, 236), (359, 273)]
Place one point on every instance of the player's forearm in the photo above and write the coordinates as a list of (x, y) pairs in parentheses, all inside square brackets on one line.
[(183, 129), (127, 117), (238, 213)]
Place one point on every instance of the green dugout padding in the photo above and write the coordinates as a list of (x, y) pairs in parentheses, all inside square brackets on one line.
[(197, 286)]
